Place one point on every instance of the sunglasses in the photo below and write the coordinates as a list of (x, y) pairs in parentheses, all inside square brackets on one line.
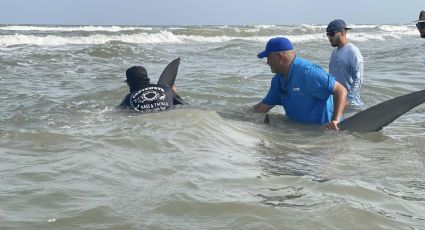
[(331, 34), (420, 25)]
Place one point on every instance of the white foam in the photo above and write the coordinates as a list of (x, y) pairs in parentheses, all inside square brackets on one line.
[(73, 28), (361, 26), (312, 26), (265, 26), (224, 27), (382, 32), (380, 36), (391, 28), (52, 40), (306, 38)]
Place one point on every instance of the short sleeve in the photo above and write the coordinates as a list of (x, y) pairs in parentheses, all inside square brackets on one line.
[(273, 96), (319, 83)]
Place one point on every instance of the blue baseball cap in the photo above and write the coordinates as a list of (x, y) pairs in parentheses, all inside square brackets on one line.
[(277, 44), (337, 25)]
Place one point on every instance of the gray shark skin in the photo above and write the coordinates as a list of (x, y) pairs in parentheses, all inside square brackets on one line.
[(168, 76), (378, 116)]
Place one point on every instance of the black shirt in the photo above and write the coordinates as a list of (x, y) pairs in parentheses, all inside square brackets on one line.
[(151, 98)]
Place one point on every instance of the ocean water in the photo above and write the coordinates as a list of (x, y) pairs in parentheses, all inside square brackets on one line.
[(69, 159)]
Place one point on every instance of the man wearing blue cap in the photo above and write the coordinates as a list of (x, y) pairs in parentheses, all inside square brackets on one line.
[(307, 93), (346, 63)]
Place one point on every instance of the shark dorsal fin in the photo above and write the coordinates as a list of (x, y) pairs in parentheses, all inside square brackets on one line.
[(169, 74)]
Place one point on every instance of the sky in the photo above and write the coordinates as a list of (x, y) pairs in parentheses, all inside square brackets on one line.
[(207, 12)]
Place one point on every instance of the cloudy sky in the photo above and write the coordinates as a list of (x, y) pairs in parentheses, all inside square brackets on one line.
[(207, 12)]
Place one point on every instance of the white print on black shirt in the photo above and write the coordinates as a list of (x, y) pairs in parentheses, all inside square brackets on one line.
[(149, 99)]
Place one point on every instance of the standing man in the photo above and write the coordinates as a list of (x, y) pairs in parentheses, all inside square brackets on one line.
[(346, 63), (420, 24), (303, 89)]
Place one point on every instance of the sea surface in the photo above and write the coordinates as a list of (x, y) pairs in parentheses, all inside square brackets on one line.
[(70, 159)]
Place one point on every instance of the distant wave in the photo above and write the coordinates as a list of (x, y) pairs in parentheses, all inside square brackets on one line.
[(396, 28), (52, 40), (299, 34), (73, 28), (265, 26), (362, 26)]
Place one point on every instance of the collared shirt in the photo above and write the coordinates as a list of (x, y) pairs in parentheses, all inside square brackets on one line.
[(306, 95), (346, 65)]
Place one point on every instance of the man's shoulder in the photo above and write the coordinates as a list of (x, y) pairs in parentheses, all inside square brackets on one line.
[(353, 48), (155, 86), (351, 45), (349, 51), (355, 52), (126, 101), (304, 65)]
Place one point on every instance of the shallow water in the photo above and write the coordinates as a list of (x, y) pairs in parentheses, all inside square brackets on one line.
[(71, 160)]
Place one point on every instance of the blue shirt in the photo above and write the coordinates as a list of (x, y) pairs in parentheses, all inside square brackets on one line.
[(306, 95)]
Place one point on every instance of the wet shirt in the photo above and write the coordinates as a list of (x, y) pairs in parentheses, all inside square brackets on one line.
[(346, 65), (306, 95), (152, 98)]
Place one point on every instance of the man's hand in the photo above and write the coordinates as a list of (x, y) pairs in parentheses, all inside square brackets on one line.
[(333, 125)]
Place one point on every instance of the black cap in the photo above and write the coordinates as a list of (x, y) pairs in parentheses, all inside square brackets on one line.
[(137, 74), (337, 25)]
